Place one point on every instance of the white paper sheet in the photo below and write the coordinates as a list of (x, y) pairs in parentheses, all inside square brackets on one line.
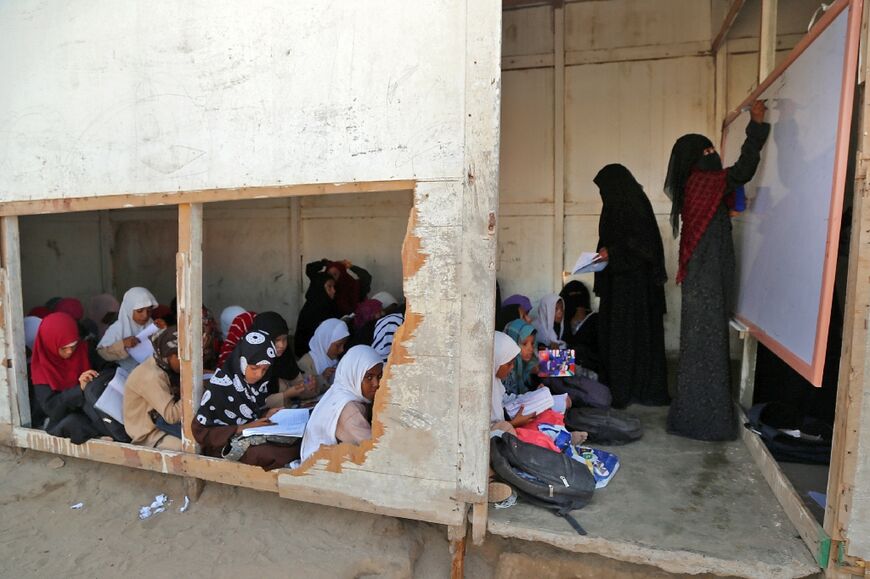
[(532, 402), (588, 262), (112, 400), (287, 422), (144, 349)]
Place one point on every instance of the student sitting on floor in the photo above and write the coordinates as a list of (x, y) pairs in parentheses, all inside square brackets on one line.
[(349, 290), (344, 413), (521, 378), (326, 346), (527, 428), (228, 315), (234, 399), (285, 380), (549, 322), (152, 405), (133, 317), (103, 311), (60, 371), (581, 333), (385, 330), (319, 305), (241, 325)]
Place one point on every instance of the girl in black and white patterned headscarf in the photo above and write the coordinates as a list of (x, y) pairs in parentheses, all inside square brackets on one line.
[(238, 390)]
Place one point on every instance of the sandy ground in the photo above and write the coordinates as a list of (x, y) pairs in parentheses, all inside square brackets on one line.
[(230, 532)]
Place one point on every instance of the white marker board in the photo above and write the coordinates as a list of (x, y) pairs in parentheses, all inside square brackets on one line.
[(786, 240)]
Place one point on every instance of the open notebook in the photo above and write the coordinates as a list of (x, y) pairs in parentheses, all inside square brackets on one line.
[(286, 422)]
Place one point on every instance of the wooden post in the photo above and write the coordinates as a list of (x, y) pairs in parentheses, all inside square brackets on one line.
[(727, 23), (13, 314), (476, 271), (767, 39), (457, 535), (107, 249), (559, 147), (189, 286), (297, 276), (721, 98)]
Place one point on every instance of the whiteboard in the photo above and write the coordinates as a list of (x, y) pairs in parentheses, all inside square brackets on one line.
[(786, 240)]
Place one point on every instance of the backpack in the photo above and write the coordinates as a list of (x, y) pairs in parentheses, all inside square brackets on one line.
[(105, 424), (582, 390), (605, 426), (543, 477), (786, 448)]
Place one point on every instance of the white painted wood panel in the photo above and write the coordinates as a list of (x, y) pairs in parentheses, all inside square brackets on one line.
[(621, 23), (631, 113), (526, 166), (192, 95), (527, 31)]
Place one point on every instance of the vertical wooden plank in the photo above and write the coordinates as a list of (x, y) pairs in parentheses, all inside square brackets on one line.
[(6, 395), (189, 288), (107, 248), (296, 267), (767, 39), (851, 440), (16, 355), (721, 82), (559, 148), (478, 258)]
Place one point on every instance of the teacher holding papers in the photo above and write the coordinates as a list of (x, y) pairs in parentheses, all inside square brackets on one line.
[(631, 288)]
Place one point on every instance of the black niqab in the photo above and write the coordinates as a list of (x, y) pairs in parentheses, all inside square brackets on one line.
[(628, 214), (273, 325), (686, 153)]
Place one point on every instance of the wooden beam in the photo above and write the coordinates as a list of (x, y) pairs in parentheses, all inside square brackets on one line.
[(189, 290), (526, 61), (727, 23), (720, 105), (637, 53), (803, 520), (129, 200), (559, 149), (13, 312), (767, 40)]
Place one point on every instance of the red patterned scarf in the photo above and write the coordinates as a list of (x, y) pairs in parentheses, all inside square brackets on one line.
[(705, 190)]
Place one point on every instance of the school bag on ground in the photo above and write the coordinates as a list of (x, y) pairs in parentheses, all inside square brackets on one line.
[(809, 440), (605, 426), (543, 477), (104, 423), (582, 390)]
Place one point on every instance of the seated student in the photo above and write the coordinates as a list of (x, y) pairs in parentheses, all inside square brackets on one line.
[(234, 399), (152, 404), (349, 290), (211, 342), (319, 305), (516, 307), (241, 325), (385, 330), (88, 330), (522, 377), (326, 346), (133, 317), (102, 309), (582, 331), (285, 380), (549, 322), (228, 315), (60, 371), (540, 429), (344, 412)]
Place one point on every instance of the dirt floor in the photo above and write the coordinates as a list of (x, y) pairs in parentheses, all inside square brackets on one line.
[(231, 532)]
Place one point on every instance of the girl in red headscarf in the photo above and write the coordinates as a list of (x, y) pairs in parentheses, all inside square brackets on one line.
[(60, 371)]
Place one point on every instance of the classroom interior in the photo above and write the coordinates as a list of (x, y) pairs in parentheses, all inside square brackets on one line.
[(583, 84)]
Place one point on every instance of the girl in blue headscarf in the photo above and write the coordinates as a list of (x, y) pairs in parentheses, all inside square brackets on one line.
[(520, 379)]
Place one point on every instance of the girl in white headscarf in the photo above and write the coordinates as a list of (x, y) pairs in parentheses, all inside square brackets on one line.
[(133, 317), (344, 412), (326, 346), (550, 312)]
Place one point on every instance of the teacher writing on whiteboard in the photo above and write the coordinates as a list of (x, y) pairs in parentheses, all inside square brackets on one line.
[(702, 192)]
